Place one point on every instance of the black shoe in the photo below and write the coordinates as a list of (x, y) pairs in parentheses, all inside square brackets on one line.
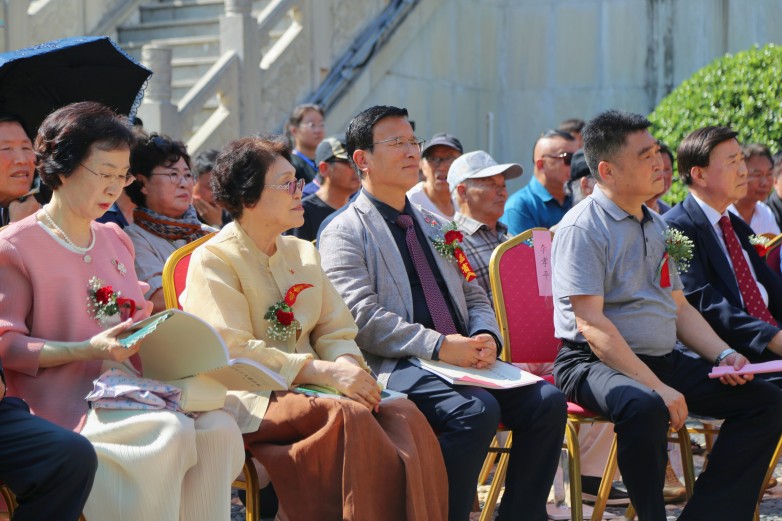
[(590, 486)]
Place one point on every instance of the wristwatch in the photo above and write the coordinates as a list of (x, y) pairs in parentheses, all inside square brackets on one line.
[(722, 356)]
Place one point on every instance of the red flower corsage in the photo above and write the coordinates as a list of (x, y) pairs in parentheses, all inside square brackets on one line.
[(449, 247), (283, 323), (760, 244), (107, 306)]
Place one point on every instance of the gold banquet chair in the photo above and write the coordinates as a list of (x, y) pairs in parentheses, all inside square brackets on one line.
[(772, 254), (526, 323), (174, 279)]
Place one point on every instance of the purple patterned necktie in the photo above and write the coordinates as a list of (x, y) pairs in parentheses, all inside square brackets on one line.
[(438, 309), (750, 293)]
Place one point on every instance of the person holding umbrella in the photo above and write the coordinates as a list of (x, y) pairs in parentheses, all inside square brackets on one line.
[(34, 82), (165, 218), (74, 290), (17, 168)]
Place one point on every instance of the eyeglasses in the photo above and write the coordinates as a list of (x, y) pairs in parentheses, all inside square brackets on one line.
[(398, 142), (107, 179), (290, 186), (567, 157), (313, 126), (437, 162), (176, 178)]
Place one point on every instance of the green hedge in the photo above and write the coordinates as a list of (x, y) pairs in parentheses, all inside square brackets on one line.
[(743, 91)]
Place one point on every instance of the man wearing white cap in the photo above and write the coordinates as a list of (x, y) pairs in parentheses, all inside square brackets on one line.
[(477, 183)]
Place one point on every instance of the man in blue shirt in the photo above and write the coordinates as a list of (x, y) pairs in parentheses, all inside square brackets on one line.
[(543, 202)]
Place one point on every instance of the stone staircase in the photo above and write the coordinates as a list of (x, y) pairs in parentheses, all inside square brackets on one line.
[(223, 69), (190, 28)]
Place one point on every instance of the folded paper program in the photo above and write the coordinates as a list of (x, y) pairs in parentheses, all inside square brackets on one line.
[(116, 389), (775, 366)]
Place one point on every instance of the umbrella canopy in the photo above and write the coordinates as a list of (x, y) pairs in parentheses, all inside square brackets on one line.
[(38, 80)]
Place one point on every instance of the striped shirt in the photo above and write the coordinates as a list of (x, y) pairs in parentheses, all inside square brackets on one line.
[(479, 243)]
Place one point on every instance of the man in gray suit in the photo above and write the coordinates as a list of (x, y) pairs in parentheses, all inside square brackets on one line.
[(411, 301)]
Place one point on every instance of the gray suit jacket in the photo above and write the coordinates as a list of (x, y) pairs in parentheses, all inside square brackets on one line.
[(360, 256)]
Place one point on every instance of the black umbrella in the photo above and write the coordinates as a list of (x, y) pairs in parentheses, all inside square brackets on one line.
[(37, 80)]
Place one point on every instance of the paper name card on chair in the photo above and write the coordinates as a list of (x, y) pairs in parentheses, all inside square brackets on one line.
[(541, 244), (501, 375), (774, 366)]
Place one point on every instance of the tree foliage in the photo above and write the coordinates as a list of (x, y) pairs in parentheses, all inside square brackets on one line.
[(743, 91)]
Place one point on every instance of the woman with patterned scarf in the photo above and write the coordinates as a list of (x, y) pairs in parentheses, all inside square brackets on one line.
[(165, 218)]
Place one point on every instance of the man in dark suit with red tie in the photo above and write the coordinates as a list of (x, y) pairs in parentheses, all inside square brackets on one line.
[(727, 281)]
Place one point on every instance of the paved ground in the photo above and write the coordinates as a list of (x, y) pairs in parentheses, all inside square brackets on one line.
[(770, 507)]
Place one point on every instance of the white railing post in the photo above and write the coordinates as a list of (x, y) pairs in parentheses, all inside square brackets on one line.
[(239, 32), (157, 111)]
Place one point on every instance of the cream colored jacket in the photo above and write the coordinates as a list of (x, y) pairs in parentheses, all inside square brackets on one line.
[(231, 284)]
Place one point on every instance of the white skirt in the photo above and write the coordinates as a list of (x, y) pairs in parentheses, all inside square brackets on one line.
[(162, 465)]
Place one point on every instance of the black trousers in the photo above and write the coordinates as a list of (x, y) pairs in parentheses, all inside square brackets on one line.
[(465, 419), (731, 483), (48, 468)]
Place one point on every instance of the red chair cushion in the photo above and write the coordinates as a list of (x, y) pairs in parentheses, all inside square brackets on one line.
[(180, 277), (577, 410), (530, 317)]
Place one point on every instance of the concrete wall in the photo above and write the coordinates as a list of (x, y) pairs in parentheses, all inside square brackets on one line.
[(533, 63)]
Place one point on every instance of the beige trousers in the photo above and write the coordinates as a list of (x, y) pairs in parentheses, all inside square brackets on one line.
[(162, 465)]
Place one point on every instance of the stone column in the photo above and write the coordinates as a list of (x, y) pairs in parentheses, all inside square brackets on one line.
[(157, 111), (239, 32)]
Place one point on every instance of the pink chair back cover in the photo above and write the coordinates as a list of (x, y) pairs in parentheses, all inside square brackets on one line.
[(530, 317)]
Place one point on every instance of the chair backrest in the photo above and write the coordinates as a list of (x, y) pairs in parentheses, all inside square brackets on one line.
[(526, 319), (175, 271), (772, 254)]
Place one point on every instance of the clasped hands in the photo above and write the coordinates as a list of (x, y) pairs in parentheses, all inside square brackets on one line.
[(479, 351)]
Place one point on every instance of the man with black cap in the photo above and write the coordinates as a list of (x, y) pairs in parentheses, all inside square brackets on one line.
[(477, 183), (338, 181), (433, 193), (581, 180)]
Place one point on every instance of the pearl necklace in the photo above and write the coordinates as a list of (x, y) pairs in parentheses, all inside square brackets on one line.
[(78, 249)]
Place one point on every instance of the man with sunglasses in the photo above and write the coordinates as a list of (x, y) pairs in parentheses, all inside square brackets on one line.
[(543, 202), (409, 302), (338, 181)]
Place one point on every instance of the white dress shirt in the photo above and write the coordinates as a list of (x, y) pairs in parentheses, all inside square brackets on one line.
[(763, 220)]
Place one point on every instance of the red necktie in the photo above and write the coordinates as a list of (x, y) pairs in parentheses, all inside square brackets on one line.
[(443, 322), (747, 286)]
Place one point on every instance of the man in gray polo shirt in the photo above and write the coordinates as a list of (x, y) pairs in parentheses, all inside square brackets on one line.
[(619, 318)]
